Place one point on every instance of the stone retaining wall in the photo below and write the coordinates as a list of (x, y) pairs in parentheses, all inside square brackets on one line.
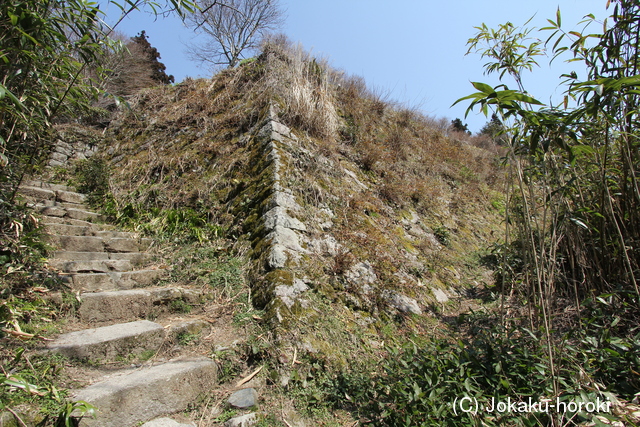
[(275, 231), (64, 152)]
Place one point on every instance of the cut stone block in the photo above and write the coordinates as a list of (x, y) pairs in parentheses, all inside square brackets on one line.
[(93, 281), (40, 202), (87, 229), (70, 197), (110, 234), (94, 243), (80, 256), (144, 394), (278, 216), (37, 193), (129, 304), (138, 278), (69, 230), (94, 266), (48, 220), (50, 210), (78, 243), (115, 280), (83, 215), (118, 244), (110, 342), (46, 185), (132, 257)]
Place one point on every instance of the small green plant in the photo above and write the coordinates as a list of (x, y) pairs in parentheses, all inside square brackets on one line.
[(229, 364), (72, 412), (211, 266), (146, 355), (92, 179), (180, 306), (186, 338), (226, 415), (179, 225), (30, 380), (442, 234)]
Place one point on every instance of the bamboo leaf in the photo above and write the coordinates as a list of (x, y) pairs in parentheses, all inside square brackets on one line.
[(483, 87)]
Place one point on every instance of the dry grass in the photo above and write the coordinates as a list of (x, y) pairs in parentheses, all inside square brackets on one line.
[(300, 85)]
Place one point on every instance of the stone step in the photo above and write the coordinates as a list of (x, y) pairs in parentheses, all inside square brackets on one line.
[(70, 197), (45, 185), (58, 195), (55, 204), (64, 212), (70, 221), (131, 304), (135, 258), (87, 230), (98, 244), (144, 394), (37, 193), (77, 243), (110, 342), (93, 266), (94, 282)]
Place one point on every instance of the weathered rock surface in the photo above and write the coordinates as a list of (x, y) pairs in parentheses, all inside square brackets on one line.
[(110, 342), (246, 420), (129, 304), (402, 303), (146, 393), (290, 294), (245, 398), (166, 422)]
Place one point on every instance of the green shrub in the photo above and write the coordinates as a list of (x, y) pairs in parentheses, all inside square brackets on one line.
[(92, 179), (422, 383)]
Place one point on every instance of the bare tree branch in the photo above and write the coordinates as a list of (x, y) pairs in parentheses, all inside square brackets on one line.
[(233, 27)]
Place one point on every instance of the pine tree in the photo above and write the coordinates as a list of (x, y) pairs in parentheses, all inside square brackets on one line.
[(458, 126), (151, 55), (494, 129)]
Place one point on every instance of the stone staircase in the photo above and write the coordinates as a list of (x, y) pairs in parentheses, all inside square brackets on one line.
[(117, 296)]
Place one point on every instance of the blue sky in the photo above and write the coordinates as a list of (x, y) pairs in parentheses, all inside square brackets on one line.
[(412, 50)]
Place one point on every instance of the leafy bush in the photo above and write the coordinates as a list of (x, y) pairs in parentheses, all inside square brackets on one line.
[(92, 179), (22, 251), (422, 384)]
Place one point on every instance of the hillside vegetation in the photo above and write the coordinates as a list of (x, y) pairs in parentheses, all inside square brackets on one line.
[(379, 181), (393, 209), (381, 268)]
